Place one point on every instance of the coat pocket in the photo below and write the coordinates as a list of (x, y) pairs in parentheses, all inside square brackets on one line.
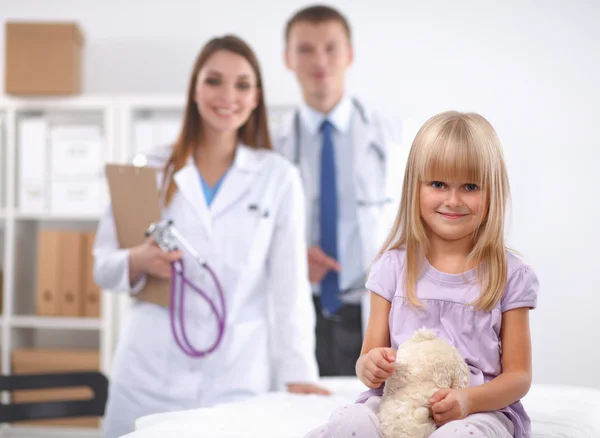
[(248, 237)]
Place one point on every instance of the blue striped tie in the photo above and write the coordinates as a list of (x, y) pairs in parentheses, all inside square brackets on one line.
[(330, 301)]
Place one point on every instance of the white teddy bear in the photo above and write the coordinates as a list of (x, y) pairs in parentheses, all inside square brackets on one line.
[(424, 364)]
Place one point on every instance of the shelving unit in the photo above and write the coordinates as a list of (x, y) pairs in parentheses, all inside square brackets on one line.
[(21, 326), (56, 322), (129, 126), (3, 147)]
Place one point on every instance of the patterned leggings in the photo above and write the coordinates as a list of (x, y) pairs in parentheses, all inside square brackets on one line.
[(360, 421)]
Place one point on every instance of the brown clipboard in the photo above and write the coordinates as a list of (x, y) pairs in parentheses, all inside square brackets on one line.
[(135, 202)]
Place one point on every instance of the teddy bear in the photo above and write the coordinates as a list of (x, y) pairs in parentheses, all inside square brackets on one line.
[(424, 363)]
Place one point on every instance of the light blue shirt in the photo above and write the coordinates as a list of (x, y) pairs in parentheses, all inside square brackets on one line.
[(210, 192), (350, 252)]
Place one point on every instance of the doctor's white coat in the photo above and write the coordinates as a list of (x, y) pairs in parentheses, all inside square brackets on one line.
[(252, 236), (380, 153)]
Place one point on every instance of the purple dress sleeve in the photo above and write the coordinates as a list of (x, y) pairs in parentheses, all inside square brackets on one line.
[(521, 290), (385, 274)]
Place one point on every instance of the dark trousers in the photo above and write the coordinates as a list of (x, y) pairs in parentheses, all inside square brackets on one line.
[(339, 340)]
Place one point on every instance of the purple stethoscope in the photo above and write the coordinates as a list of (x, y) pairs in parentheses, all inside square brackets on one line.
[(167, 238)]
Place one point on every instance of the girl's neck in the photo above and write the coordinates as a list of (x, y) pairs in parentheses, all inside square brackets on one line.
[(450, 256), (216, 152)]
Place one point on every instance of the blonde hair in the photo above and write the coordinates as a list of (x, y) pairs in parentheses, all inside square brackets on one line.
[(454, 146)]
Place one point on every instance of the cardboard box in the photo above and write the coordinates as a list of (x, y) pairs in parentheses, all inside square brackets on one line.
[(76, 151), (149, 133), (32, 155), (43, 58), (30, 361), (79, 196)]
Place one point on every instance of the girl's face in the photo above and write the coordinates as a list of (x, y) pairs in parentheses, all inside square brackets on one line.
[(226, 91), (450, 210)]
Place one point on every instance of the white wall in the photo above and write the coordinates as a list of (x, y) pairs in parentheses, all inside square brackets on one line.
[(531, 67)]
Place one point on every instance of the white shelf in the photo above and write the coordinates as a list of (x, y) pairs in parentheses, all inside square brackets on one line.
[(57, 217), (50, 432), (158, 102), (19, 232), (57, 323), (68, 103)]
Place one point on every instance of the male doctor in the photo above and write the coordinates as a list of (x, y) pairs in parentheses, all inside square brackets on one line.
[(351, 180)]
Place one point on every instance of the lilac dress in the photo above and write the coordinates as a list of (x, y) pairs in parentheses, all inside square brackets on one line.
[(476, 334)]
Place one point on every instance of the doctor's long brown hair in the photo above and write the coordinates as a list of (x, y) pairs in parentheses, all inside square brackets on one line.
[(253, 133)]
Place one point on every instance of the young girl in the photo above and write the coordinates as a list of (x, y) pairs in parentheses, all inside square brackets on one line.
[(445, 266)]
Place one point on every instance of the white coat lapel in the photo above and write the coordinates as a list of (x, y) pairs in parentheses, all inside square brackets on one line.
[(284, 139), (367, 150), (237, 181), (286, 143), (188, 184), (370, 170)]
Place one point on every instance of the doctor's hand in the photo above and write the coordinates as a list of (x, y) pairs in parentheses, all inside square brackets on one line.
[(307, 388), (319, 264), (374, 367), (150, 259)]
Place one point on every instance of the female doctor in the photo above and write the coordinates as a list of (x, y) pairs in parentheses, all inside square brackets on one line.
[(240, 205)]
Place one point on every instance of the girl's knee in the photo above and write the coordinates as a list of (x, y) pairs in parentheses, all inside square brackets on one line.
[(457, 429), (352, 421), (482, 425)]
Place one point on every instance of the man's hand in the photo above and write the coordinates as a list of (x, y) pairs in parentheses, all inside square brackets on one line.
[(319, 264)]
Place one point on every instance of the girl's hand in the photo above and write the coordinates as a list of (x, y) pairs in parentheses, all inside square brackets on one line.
[(449, 405), (307, 388), (376, 366)]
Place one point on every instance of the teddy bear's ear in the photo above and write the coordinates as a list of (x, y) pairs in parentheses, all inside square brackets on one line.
[(423, 334)]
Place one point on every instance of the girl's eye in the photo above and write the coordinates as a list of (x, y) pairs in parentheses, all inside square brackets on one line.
[(243, 86), (437, 185), (471, 187), (213, 81)]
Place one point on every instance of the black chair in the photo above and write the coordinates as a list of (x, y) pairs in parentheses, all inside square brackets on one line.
[(94, 380)]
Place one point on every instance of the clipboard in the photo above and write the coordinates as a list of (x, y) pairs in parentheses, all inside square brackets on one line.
[(135, 201)]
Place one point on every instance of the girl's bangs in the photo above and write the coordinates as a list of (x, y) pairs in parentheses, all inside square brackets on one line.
[(453, 158)]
